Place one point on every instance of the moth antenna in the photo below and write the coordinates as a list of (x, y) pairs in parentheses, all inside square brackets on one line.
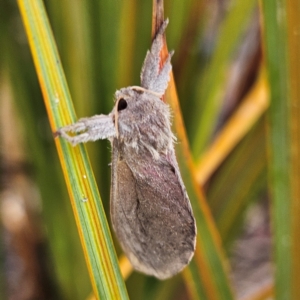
[(153, 77)]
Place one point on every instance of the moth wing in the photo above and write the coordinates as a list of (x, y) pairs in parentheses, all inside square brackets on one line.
[(152, 216)]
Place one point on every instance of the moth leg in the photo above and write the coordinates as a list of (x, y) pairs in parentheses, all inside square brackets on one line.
[(89, 129), (74, 140)]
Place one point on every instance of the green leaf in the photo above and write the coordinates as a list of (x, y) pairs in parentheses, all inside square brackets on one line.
[(207, 102), (85, 199), (207, 275), (281, 26), (238, 182)]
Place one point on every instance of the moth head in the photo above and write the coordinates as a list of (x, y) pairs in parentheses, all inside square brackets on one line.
[(139, 116), (141, 119), (130, 105), (134, 102)]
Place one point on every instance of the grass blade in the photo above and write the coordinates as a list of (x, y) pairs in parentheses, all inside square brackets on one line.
[(282, 50), (209, 90), (85, 199), (252, 107), (241, 177), (206, 277)]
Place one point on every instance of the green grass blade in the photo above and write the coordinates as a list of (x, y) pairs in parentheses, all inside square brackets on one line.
[(208, 95), (85, 199), (281, 26), (241, 177), (207, 276)]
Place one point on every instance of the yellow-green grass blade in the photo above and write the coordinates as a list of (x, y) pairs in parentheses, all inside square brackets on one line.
[(207, 275), (57, 212), (281, 26), (207, 102), (73, 39), (240, 123), (85, 199), (241, 176), (238, 182), (80, 42)]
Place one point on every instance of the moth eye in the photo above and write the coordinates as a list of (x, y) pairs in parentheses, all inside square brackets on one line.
[(173, 170), (122, 104)]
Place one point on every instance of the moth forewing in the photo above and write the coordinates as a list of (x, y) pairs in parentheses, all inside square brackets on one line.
[(150, 212)]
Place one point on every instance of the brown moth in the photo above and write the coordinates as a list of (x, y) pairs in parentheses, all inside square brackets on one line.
[(150, 209)]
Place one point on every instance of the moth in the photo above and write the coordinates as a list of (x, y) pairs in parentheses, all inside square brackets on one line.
[(150, 209)]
